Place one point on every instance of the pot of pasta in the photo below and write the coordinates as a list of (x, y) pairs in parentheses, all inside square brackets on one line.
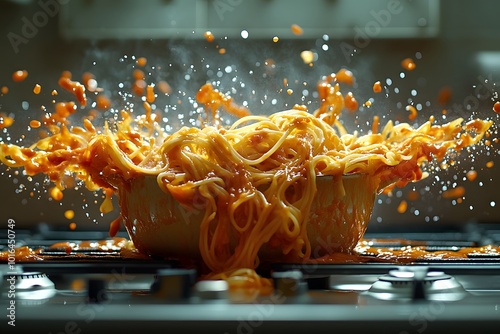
[(314, 218)]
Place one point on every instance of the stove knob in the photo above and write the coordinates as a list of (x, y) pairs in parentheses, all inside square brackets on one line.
[(319, 283), (96, 290), (173, 284), (289, 283), (212, 290)]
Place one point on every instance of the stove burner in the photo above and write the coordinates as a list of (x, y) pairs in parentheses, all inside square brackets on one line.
[(29, 286), (417, 283)]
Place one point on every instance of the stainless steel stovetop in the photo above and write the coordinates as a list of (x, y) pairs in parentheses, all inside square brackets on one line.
[(105, 293)]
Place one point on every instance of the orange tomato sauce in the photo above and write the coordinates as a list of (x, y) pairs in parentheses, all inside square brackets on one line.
[(19, 76)]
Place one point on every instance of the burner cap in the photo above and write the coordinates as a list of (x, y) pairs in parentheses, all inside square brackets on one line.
[(412, 283), (28, 286), (409, 276)]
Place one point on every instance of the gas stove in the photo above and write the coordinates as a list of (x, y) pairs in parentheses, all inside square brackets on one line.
[(93, 291)]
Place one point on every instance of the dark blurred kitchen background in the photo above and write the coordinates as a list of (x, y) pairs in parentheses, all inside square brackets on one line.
[(455, 45)]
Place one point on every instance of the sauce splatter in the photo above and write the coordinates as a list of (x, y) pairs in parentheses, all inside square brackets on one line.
[(307, 56), (150, 93), (402, 207), (56, 193), (209, 36), (74, 87), (496, 107), (471, 175), (141, 61), (408, 64), (35, 124), (350, 102), (37, 89), (345, 76), (20, 75), (454, 193), (164, 87), (297, 30), (5, 121), (444, 96), (69, 214), (103, 102)]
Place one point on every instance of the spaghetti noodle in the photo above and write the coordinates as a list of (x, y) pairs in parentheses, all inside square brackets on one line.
[(255, 181)]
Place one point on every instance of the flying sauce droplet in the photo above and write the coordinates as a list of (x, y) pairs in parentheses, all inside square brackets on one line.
[(209, 36), (20, 75), (408, 64), (69, 214), (56, 193), (107, 204), (454, 193), (37, 89), (471, 175), (496, 107), (297, 30), (403, 206)]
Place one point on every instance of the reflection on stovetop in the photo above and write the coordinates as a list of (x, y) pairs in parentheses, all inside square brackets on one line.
[(100, 293)]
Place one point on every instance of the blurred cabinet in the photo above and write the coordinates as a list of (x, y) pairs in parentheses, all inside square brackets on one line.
[(131, 19)]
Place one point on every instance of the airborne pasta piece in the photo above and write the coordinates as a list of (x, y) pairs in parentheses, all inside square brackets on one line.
[(413, 112)]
